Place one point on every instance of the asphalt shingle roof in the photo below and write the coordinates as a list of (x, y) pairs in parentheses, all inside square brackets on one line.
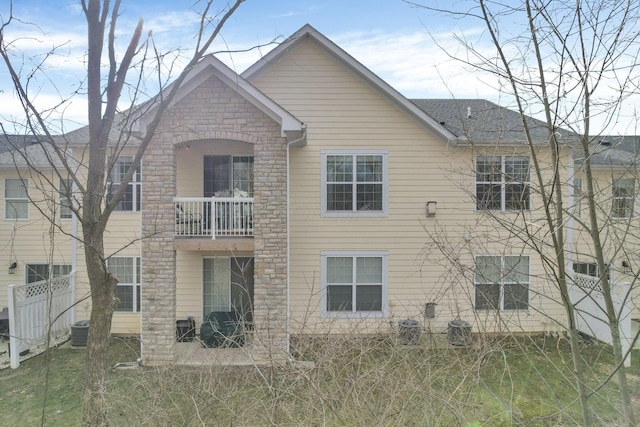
[(481, 121)]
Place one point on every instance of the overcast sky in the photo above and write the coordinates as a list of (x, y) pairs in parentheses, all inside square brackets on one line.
[(392, 38)]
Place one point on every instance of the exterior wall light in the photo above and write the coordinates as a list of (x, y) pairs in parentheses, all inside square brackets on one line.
[(12, 267), (431, 207)]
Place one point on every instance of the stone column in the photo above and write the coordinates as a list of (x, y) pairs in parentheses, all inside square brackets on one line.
[(158, 290), (270, 240)]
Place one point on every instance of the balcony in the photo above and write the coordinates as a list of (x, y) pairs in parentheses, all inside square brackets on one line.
[(213, 217)]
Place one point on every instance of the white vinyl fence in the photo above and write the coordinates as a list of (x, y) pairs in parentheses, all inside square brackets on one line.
[(591, 313), (37, 309)]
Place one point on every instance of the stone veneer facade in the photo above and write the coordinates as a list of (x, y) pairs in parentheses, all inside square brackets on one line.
[(215, 112)]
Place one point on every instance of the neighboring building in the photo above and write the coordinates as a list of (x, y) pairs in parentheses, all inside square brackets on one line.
[(312, 197)]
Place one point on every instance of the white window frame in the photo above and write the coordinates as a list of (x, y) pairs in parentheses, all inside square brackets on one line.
[(577, 197), (9, 200), (384, 312), (629, 200), (355, 213), (136, 286), (592, 269), (56, 270), (501, 283), (135, 184), (503, 183)]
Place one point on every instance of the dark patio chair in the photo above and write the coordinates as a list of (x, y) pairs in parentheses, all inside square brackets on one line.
[(186, 222), (222, 329)]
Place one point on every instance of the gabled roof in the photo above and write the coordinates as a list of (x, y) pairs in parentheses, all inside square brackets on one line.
[(482, 122), (362, 72), (291, 127)]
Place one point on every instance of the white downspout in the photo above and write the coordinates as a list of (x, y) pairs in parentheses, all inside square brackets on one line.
[(570, 223), (74, 256), (288, 312)]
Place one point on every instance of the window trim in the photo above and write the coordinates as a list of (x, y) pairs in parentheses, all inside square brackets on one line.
[(137, 283), (503, 183), (578, 196), (354, 213), (14, 199), (29, 266), (630, 200), (135, 183), (63, 205), (502, 284), (384, 312)]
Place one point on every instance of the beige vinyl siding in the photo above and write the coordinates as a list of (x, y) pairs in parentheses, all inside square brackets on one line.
[(342, 112), (189, 285), (619, 236), (31, 241), (34, 241)]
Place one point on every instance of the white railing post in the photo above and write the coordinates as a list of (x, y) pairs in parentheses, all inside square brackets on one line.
[(14, 347), (214, 218)]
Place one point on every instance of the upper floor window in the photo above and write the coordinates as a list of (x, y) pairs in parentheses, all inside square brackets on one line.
[(502, 183), (502, 283), (65, 191), (38, 272), (577, 197), (354, 183), (131, 198), (16, 198), (623, 197), (354, 283), (127, 270)]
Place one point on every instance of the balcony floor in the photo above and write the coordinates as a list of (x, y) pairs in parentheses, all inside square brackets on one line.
[(221, 244)]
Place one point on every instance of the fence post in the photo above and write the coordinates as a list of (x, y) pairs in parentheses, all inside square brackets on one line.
[(14, 346), (73, 298)]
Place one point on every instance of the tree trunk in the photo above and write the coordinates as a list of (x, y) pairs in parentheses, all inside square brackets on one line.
[(102, 284)]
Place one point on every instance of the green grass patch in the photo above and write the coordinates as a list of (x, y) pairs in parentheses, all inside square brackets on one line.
[(356, 382)]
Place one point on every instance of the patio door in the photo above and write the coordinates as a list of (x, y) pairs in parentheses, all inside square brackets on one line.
[(228, 176), (228, 286)]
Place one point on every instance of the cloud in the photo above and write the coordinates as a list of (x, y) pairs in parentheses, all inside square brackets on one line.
[(415, 64)]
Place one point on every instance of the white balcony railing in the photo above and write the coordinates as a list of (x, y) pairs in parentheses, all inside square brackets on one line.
[(213, 216)]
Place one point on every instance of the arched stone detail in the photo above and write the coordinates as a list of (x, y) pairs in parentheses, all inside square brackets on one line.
[(215, 135)]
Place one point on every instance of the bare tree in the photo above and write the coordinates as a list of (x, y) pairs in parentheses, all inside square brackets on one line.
[(109, 132), (570, 63)]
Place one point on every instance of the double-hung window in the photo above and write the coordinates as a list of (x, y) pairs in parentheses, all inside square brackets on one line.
[(131, 198), (127, 270), (38, 272), (577, 197), (16, 198), (502, 283), (354, 284), (65, 186), (623, 197), (354, 183), (502, 183)]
